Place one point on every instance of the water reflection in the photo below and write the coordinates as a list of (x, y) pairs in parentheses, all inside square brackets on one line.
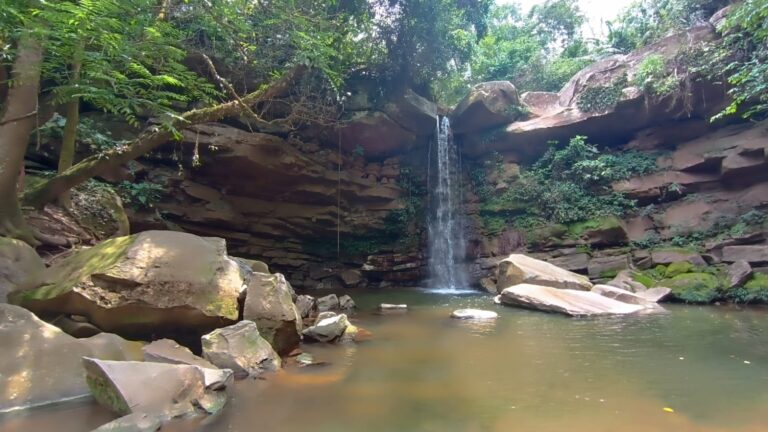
[(524, 371)]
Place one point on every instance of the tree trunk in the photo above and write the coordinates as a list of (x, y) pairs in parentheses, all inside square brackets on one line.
[(151, 138), (67, 153), (16, 123)]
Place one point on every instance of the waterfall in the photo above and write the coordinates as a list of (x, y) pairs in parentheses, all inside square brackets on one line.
[(446, 238)]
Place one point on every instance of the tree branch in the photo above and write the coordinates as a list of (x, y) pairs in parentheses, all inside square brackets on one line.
[(151, 138)]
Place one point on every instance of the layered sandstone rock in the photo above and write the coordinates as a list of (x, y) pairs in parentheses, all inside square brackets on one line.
[(520, 269)]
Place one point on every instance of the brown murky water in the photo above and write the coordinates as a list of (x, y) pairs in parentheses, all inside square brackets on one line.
[(526, 371)]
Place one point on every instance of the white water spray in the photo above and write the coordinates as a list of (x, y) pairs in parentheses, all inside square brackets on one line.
[(446, 238)]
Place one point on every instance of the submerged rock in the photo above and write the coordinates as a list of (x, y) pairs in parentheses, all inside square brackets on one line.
[(328, 328), (565, 301), (390, 307), (127, 387), (41, 364), (136, 422), (148, 283), (241, 348), (268, 303), (474, 314), (521, 269)]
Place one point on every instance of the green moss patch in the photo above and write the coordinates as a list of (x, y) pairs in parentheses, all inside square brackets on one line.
[(754, 291), (598, 224), (67, 273), (678, 268), (693, 287), (644, 279)]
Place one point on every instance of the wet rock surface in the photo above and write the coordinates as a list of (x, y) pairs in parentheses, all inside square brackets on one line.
[(242, 349), (42, 364)]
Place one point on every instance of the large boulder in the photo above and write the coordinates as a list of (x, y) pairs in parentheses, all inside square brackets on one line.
[(268, 303), (154, 282), (521, 269), (565, 301), (41, 364), (20, 267), (127, 387), (487, 105), (241, 348)]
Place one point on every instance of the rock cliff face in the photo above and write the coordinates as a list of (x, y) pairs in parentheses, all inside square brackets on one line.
[(711, 185), (286, 201)]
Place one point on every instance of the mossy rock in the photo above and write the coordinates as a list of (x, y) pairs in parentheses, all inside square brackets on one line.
[(678, 268), (546, 234), (644, 279), (604, 223), (754, 290), (693, 287), (144, 283)]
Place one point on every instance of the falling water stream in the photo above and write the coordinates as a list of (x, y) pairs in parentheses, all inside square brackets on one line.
[(446, 239)]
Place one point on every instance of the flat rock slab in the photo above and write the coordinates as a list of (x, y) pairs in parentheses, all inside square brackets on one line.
[(127, 387), (474, 314), (40, 364), (565, 301), (521, 269)]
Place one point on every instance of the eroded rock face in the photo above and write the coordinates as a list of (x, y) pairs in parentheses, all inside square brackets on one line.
[(487, 105), (152, 282), (276, 199), (127, 387), (565, 301), (241, 348), (268, 303), (41, 364), (20, 267), (328, 303), (521, 269), (557, 116), (306, 305)]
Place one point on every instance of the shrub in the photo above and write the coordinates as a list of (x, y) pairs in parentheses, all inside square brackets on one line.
[(754, 291), (652, 76), (693, 287)]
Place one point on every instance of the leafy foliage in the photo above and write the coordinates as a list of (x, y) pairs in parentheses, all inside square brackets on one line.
[(653, 77), (743, 59), (572, 183), (140, 195), (601, 98), (646, 21)]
